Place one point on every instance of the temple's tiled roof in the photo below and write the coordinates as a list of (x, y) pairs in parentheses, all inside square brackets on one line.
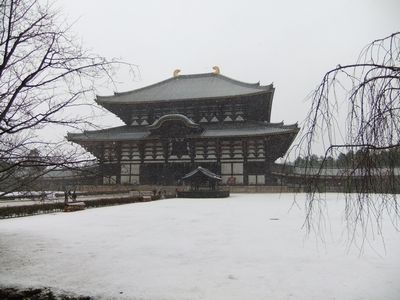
[(131, 133), (252, 129), (121, 133), (184, 87)]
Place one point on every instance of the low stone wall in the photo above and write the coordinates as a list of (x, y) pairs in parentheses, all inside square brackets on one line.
[(36, 209), (259, 189), (41, 293), (171, 190), (203, 194), (105, 188)]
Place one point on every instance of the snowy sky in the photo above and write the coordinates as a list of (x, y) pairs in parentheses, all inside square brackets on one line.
[(289, 43)]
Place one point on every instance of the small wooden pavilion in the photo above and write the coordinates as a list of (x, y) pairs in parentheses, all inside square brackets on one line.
[(203, 184)]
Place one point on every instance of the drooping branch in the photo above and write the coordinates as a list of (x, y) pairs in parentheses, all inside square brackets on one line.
[(355, 112)]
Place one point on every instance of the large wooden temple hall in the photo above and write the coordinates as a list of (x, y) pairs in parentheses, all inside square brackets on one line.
[(186, 121)]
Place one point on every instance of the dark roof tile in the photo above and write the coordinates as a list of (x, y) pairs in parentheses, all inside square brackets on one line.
[(184, 87), (125, 133)]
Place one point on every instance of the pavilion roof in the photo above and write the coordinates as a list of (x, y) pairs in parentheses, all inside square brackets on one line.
[(187, 87), (202, 171)]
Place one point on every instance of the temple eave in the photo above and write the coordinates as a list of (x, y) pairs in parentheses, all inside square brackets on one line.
[(205, 135)]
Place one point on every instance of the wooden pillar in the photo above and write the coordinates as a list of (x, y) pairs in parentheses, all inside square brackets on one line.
[(101, 165), (133, 146), (141, 158), (245, 154), (220, 113), (192, 152), (205, 148), (141, 151), (118, 155), (231, 149), (267, 163), (165, 146), (218, 154), (166, 153)]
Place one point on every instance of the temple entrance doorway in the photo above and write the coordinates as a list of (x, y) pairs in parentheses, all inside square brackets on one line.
[(163, 174)]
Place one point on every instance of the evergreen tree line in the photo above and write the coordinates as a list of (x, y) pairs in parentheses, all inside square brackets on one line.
[(353, 159)]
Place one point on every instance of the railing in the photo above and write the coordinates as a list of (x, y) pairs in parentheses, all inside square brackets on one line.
[(203, 194), (332, 172)]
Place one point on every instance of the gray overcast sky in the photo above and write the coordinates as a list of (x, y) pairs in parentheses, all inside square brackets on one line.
[(290, 43)]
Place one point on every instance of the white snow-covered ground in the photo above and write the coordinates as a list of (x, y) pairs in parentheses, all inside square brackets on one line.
[(248, 246)]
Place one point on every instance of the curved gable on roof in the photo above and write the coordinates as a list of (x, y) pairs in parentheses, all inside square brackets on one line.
[(185, 87), (173, 117), (175, 125)]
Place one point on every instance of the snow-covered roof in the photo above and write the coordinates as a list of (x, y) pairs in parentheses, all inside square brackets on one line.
[(125, 133), (204, 171), (184, 87)]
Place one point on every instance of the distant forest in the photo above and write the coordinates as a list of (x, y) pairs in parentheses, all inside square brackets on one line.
[(375, 159)]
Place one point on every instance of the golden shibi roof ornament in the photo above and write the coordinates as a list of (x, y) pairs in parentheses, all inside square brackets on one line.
[(216, 70), (176, 72)]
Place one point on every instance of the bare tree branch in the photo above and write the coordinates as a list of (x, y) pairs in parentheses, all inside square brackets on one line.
[(43, 74), (355, 111)]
